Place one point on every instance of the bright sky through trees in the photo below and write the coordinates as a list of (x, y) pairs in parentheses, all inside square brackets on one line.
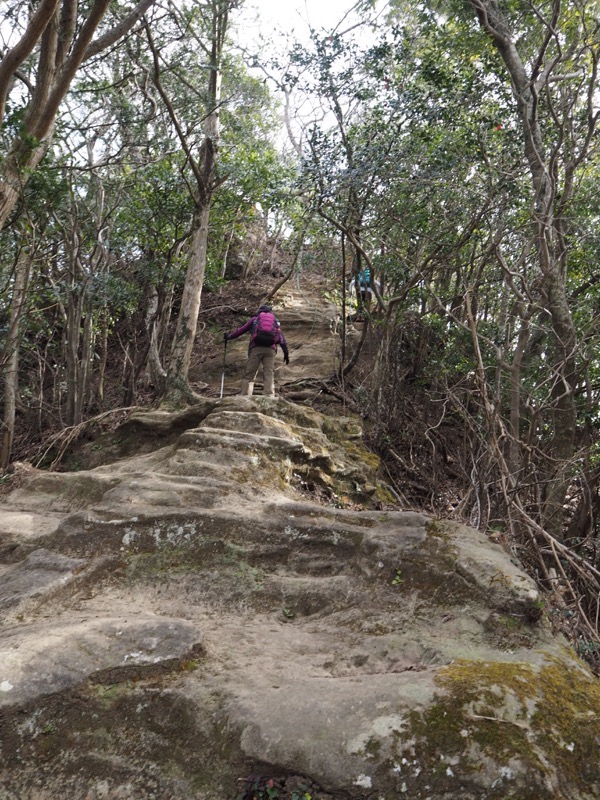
[(270, 27), (286, 16)]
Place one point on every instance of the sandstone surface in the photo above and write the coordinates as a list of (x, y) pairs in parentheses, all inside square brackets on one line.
[(231, 604)]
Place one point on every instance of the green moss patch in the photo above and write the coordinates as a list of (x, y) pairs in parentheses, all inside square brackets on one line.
[(540, 726)]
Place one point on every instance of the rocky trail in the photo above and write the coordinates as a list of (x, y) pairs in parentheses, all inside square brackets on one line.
[(230, 604)]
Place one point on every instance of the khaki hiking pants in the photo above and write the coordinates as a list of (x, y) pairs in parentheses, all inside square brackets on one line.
[(256, 357)]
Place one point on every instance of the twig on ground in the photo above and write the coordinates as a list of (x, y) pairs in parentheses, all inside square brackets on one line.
[(65, 438)]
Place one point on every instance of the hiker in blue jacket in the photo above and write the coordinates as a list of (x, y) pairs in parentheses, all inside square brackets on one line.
[(265, 335)]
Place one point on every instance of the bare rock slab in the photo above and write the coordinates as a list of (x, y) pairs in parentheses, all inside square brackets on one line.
[(262, 609), (40, 572), (44, 658)]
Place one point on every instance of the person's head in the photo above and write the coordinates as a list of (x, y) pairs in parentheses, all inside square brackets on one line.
[(264, 307)]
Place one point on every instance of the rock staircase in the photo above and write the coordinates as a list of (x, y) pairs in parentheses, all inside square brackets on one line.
[(230, 597)]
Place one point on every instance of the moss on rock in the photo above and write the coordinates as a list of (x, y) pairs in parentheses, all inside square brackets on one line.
[(539, 727)]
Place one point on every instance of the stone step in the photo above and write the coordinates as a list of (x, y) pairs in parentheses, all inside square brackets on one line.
[(51, 657)]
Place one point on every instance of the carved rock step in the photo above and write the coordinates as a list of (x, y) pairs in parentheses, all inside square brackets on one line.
[(40, 572), (45, 658)]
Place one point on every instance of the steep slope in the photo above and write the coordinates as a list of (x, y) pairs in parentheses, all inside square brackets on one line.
[(230, 605), (309, 323)]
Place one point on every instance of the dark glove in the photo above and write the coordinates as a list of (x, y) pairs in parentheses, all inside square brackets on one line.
[(225, 337), (286, 359)]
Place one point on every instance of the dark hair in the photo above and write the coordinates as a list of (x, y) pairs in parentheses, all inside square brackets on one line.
[(265, 307)]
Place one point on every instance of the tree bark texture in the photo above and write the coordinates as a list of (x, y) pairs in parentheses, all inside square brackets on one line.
[(187, 321), (10, 355), (177, 386), (549, 240), (61, 43)]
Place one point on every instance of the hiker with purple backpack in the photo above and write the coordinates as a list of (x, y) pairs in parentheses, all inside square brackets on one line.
[(265, 335)]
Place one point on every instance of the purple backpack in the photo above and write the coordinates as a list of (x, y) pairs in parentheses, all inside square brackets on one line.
[(265, 331)]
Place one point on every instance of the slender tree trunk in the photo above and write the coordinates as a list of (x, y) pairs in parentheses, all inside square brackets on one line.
[(156, 373), (353, 361), (72, 339), (85, 363), (178, 390), (11, 387), (344, 310), (514, 448), (62, 47), (103, 361), (11, 355), (230, 236), (187, 321), (550, 256)]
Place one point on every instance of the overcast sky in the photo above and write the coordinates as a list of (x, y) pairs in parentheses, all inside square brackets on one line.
[(261, 26), (290, 15)]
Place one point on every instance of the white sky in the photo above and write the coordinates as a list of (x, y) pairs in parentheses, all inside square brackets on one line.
[(269, 26), (288, 16)]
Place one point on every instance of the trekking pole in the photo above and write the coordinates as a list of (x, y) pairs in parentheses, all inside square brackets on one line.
[(223, 372)]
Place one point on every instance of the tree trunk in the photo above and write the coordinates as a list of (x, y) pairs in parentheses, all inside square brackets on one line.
[(102, 363), (178, 389), (551, 257), (353, 361), (10, 355), (85, 362), (63, 47), (72, 336), (514, 448), (155, 373), (228, 242), (14, 176)]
